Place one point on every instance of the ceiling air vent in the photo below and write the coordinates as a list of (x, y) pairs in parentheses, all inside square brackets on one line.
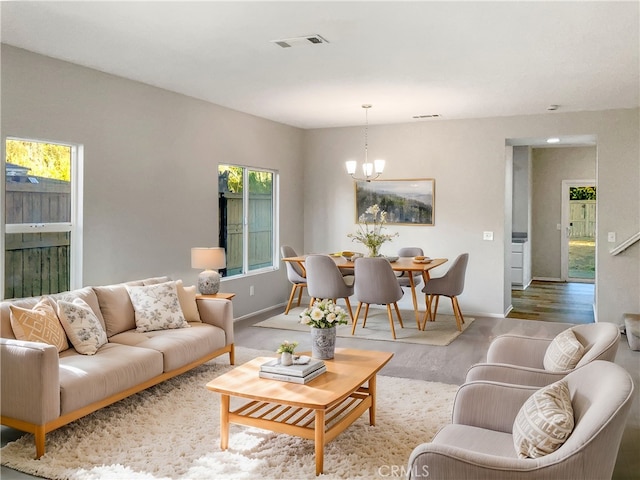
[(300, 41), (429, 115)]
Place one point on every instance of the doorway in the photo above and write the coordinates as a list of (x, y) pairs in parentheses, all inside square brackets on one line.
[(578, 254)]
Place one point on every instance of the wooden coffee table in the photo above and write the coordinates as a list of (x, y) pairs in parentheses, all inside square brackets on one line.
[(318, 411)]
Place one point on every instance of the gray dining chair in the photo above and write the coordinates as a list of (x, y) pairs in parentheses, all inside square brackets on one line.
[(376, 284), (325, 281), (451, 284), (295, 274)]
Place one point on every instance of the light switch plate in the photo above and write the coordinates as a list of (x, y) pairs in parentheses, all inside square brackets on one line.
[(611, 237), (487, 235)]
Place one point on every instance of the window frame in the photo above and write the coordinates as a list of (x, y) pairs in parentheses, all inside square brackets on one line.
[(74, 227), (275, 192)]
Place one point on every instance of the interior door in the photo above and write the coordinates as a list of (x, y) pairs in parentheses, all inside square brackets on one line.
[(579, 205)]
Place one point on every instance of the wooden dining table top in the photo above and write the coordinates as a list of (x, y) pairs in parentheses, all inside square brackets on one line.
[(403, 264)]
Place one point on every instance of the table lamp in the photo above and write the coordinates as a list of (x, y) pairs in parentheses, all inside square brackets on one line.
[(211, 259)]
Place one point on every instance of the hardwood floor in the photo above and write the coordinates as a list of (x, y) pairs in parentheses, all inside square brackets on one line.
[(554, 302)]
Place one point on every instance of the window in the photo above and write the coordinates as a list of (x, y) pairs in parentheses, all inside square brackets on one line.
[(43, 247), (248, 218)]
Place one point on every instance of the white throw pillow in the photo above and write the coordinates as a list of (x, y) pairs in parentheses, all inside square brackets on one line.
[(544, 422), (39, 324), (563, 353), (82, 326), (156, 307), (187, 298)]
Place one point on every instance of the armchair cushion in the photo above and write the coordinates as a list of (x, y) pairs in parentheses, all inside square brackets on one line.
[(563, 353), (544, 422)]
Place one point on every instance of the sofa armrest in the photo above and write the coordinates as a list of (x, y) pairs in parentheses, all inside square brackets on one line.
[(513, 374), (518, 350), (29, 381), (218, 312), (490, 405)]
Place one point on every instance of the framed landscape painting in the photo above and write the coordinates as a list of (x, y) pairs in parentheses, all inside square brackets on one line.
[(407, 202)]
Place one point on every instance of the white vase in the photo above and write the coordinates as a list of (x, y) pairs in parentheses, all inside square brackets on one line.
[(286, 359)]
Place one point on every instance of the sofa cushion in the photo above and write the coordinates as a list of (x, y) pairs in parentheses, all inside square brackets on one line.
[(187, 298), (179, 347), (563, 353), (39, 324), (156, 307), (155, 280), (113, 369), (116, 307), (476, 439), (544, 421), (82, 326)]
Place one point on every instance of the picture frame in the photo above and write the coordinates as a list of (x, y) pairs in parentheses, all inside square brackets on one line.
[(406, 201)]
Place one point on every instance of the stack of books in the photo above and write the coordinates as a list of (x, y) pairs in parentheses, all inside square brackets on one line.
[(292, 373)]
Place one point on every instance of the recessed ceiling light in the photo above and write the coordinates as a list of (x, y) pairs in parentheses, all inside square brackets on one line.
[(553, 140), (428, 115), (552, 107), (300, 41)]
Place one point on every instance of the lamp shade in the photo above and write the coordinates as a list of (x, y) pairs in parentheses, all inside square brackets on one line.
[(208, 258)]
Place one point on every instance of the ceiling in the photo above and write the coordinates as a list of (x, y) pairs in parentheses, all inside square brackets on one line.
[(455, 59)]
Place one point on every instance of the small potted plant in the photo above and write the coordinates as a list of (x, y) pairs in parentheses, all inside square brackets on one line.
[(286, 351)]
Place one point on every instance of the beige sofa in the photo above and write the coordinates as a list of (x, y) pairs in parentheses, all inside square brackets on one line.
[(42, 390)]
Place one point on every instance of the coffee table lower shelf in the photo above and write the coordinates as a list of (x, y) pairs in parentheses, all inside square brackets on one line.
[(320, 425)]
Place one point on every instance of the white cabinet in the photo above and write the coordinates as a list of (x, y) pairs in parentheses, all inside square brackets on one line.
[(520, 264)]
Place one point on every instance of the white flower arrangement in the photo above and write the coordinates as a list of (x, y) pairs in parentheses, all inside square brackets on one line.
[(370, 226), (324, 314)]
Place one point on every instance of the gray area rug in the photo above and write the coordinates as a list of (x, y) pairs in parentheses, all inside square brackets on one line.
[(439, 333), (171, 431)]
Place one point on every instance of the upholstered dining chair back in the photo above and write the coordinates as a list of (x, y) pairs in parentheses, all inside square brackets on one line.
[(375, 282), (403, 277), (295, 275), (451, 284), (324, 280), (294, 272)]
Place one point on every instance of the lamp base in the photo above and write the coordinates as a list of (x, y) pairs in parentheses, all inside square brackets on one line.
[(208, 282)]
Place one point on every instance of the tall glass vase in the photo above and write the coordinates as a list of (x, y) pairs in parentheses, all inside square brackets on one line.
[(323, 343), (374, 250)]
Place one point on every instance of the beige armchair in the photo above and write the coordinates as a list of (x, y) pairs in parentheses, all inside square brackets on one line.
[(518, 359), (479, 442)]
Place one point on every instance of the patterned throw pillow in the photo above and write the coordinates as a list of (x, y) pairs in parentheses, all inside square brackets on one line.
[(563, 353), (39, 324), (187, 299), (82, 326), (157, 307), (544, 422)]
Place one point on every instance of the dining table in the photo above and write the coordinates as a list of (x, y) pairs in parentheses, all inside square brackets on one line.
[(398, 264)]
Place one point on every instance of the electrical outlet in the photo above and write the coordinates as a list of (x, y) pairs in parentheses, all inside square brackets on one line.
[(611, 237), (251, 291), (487, 235)]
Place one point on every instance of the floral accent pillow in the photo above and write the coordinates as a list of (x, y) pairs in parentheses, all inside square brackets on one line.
[(82, 326), (39, 324), (156, 307)]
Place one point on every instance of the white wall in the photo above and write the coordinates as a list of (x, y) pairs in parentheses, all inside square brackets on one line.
[(151, 157), (467, 160)]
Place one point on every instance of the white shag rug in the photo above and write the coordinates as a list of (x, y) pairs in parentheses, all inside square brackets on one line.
[(172, 431)]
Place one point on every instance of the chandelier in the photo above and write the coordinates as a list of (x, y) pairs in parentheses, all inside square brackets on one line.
[(370, 170)]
